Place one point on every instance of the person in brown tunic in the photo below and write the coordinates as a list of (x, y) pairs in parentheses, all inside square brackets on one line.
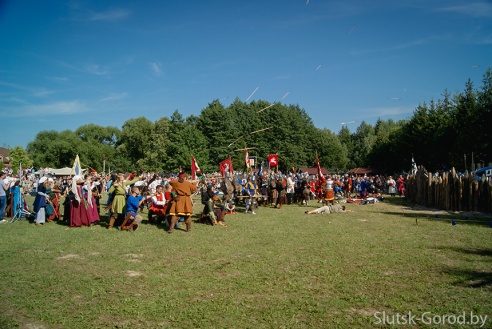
[(182, 205)]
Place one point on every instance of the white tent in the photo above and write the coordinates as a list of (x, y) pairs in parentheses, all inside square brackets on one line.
[(59, 172)]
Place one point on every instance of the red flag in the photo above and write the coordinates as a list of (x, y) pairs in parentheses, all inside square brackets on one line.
[(321, 178), (226, 166), (273, 160), (194, 168)]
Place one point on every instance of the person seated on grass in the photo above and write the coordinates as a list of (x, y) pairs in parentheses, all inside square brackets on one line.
[(328, 209), (220, 213), (229, 207), (364, 194), (133, 202), (157, 205)]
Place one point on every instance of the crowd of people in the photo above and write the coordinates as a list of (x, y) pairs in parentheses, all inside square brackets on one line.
[(168, 196)]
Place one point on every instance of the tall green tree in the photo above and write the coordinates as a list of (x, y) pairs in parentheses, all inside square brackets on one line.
[(332, 154), (134, 142), (484, 118), (55, 149), (345, 138), (363, 141), (220, 127), (156, 152), (385, 154), (19, 158), (97, 145)]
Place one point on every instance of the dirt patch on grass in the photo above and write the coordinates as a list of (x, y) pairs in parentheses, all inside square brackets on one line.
[(365, 311), (133, 273), (134, 255), (35, 326), (70, 256)]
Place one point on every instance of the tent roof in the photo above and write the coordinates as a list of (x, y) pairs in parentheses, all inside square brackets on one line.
[(60, 172)]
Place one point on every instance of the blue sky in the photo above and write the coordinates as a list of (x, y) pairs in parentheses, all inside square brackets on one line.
[(64, 64)]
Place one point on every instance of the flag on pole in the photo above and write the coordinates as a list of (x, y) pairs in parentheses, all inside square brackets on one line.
[(194, 168), (320, 174), (226, 166), (273, 160), (76, 168), (246, 159), (414, 166)]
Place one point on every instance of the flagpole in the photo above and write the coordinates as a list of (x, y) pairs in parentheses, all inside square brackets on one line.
[(192, 168)]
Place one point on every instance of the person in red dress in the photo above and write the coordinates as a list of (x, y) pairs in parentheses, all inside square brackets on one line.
[(401, 186)]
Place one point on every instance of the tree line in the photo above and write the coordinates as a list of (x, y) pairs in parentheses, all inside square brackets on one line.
[(439, 135)]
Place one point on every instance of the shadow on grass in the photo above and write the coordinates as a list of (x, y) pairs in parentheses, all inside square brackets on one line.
[(471, 278), (457, 219), (397, 201), (416, 211)]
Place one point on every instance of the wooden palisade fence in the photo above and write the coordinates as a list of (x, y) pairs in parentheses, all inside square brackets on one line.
[(450, 191)]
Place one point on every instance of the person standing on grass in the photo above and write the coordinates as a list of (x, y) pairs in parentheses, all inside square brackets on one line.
[(41, 200), (401, 186), (250, 191), (290, 188), (182, 205), (3, 196), (118, 192), (391, 186), (282, 195), (169, 196), (208, 195), (273, 193)]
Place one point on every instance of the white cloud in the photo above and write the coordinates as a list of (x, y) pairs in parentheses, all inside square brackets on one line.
[(114, 97), (401, 46), (95, 69), (41, 110), (111, 15), (156, 67), (32, 91), (477, 9)]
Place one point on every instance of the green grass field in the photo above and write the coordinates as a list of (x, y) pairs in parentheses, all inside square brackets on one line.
[(280, 268)]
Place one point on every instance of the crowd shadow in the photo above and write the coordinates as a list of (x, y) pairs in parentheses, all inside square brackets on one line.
[(468, 277), (453, 219), (412, 210)]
